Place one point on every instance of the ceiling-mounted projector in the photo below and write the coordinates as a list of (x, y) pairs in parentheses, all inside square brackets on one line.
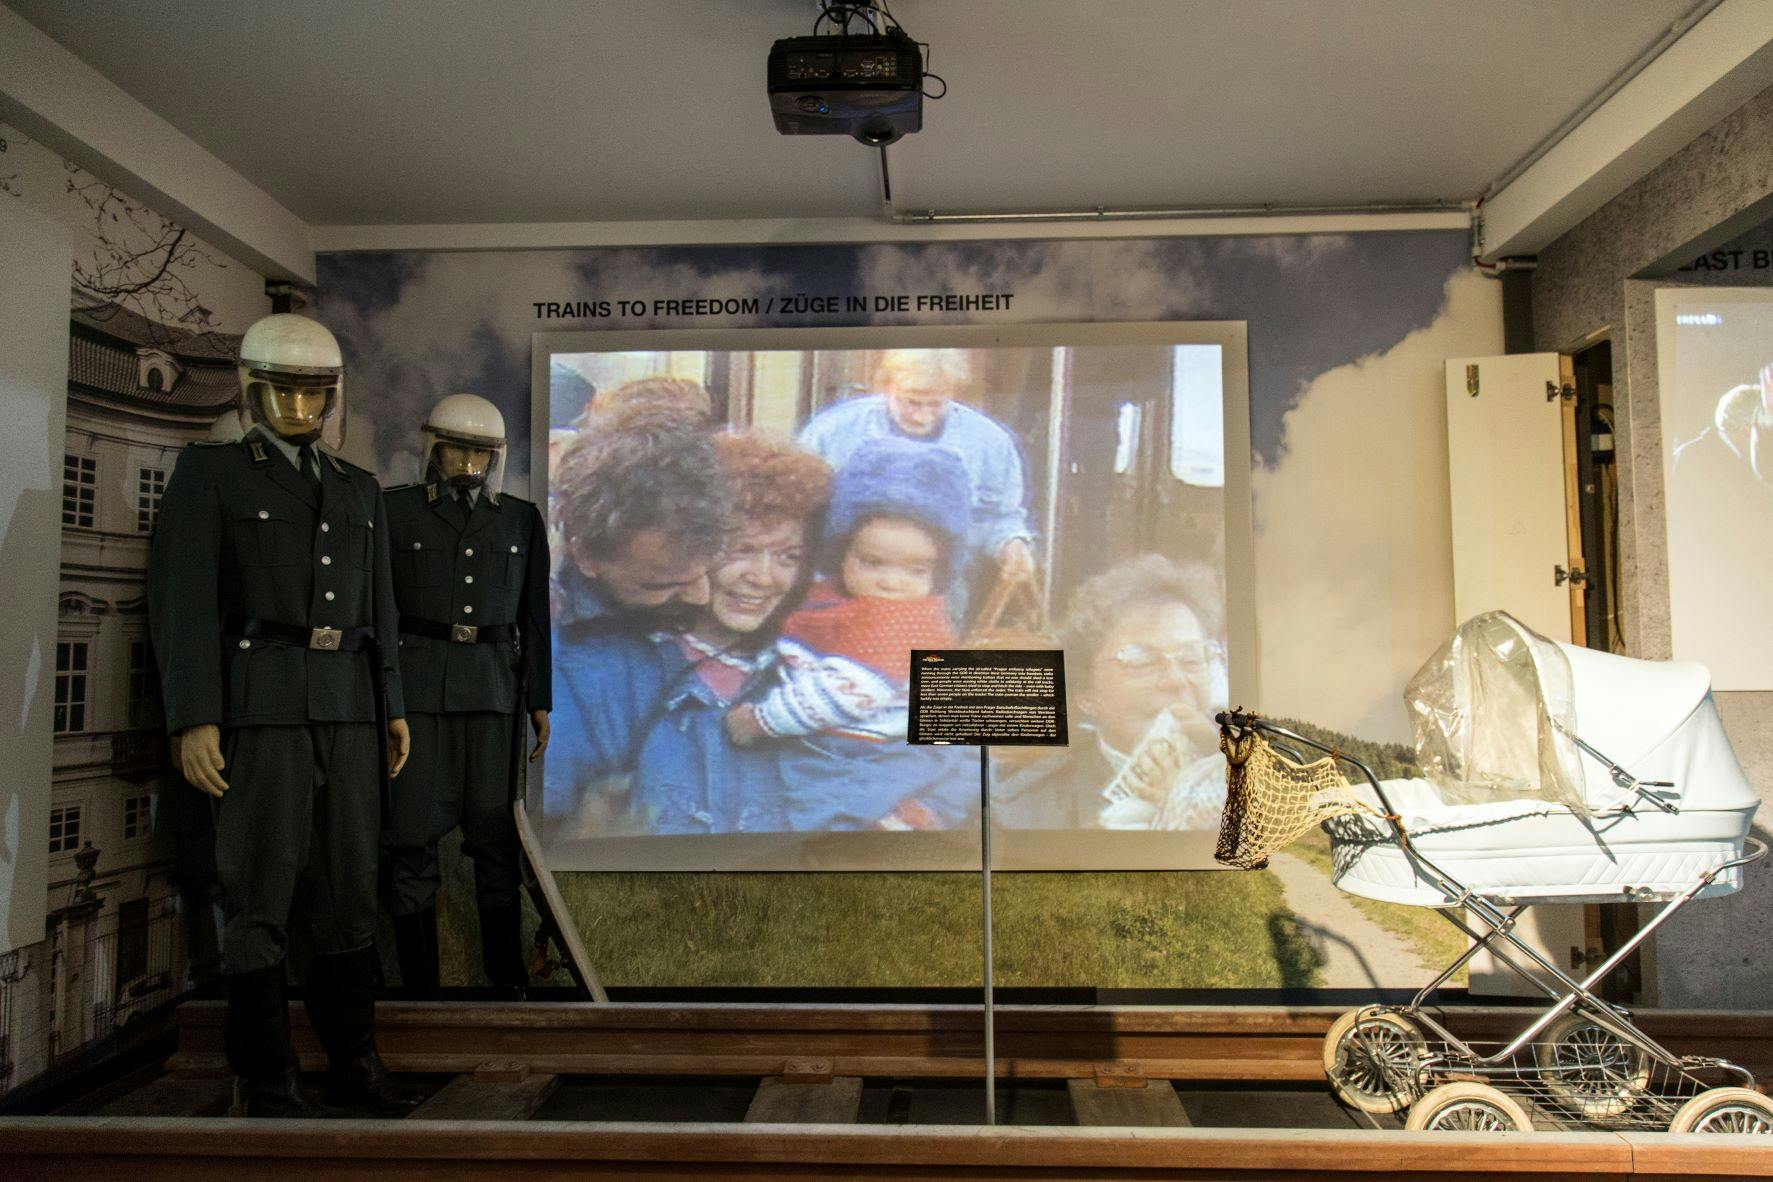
[(869, 87)]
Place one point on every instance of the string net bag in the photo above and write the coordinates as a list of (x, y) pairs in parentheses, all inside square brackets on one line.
[(1271, 801)]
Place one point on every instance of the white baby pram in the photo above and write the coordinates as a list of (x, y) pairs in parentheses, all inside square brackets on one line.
[(1645, 803)]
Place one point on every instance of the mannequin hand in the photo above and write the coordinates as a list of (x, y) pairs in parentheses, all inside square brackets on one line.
[(1015, 560), (539, 720), (199, 752), (399, 745), (742, 726)]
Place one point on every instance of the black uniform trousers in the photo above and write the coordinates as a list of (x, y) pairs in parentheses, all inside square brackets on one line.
[(300, 819), (459, 773)]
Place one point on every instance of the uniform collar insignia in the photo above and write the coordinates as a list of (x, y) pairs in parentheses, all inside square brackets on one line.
[(256, 448), (432, 496), (337, 465)]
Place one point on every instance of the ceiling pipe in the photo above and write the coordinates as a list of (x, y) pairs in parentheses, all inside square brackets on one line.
[(1103, 213)]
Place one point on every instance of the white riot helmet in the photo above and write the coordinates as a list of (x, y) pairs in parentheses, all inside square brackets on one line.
[(472, 424), (292, 380), (227, 427)]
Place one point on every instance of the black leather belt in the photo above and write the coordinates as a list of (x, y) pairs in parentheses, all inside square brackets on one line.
[(459, 633), (329, 640)]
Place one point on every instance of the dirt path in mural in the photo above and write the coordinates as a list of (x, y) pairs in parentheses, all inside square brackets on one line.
[(1358, 953)]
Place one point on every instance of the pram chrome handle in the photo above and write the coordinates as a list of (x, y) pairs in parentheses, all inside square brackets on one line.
[(1236, 719), (1755, 855)]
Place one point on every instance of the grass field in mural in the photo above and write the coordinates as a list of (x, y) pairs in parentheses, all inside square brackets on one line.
[(1109, 930)]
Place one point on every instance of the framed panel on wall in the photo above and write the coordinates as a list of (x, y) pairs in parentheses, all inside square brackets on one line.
[(752, 528)]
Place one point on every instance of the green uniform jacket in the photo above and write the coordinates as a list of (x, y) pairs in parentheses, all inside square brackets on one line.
[(241, 532), (490, 570)]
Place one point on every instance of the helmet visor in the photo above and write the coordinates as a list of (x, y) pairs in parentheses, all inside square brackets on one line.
[(463, 461), (297, 405)]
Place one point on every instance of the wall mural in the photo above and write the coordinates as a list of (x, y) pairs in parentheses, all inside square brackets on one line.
[(156, 315), (1346, 338)]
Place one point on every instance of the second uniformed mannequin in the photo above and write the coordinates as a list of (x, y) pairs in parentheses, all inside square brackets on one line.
[(272, 612), (471, 578)]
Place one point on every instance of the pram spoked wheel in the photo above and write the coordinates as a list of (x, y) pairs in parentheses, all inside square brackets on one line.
[(1371, 1057), (1467, 1108), (1588, 1069), (1725, 1110)]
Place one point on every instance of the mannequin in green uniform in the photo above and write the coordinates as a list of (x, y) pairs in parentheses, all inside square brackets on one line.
[(272, 612), (471, 580)]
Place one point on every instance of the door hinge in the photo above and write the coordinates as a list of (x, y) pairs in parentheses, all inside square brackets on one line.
[(1575, 576), (1553, 392), (1471, 380)]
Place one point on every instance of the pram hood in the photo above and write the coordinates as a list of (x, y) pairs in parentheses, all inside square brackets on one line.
[(1495, 713)]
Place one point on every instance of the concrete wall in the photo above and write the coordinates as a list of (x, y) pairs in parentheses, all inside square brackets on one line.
[(1598, 282)]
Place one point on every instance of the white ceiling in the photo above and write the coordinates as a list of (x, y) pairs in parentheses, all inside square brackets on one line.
[(440, 111)]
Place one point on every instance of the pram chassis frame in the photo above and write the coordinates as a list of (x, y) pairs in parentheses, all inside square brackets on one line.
[(1500, 916)]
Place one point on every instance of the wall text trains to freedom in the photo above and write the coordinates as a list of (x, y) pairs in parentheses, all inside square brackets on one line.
[(780, 304)]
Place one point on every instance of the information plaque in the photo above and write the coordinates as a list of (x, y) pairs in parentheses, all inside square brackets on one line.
[(988, 697)]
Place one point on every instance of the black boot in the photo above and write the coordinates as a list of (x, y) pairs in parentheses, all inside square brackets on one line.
[(501, 951), (415, 946), (268, 1077), (342, 1008)]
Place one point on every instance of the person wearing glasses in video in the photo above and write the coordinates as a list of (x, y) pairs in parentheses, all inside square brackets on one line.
[(1147, 668)]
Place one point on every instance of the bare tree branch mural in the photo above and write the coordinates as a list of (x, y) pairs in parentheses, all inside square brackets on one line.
[(139, 259), (8, 179)]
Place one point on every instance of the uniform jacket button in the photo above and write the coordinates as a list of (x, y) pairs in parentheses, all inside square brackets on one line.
[(514, 549), (329, 596), (245, 643), (469, 552), (326, 560), (467, 578), (264, 514), (325, 528), (469, 608), (417, 546)]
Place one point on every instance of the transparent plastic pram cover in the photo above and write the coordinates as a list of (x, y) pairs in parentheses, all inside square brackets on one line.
[(1493, 716)]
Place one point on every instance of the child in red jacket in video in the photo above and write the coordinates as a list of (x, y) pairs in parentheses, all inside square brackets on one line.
[(897, 521)]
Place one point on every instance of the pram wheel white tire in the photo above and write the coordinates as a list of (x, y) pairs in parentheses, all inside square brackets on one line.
[(1371, 1058), (1725, 1110), (1467, 1108), (1588, 1069)]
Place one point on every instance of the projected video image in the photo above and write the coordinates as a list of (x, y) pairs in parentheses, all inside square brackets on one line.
[(748, 545), (1716, 355)]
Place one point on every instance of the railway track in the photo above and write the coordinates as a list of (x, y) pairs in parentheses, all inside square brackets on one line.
[(506, 1060)]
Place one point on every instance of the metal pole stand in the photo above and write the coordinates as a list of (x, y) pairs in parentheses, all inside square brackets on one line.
[(985, 871)]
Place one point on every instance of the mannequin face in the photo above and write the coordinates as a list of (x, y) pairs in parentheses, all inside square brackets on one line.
[(463, 466), (295, 412)]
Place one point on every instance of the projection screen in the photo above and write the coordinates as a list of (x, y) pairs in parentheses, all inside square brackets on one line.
[(1715, 361), (752, 528)]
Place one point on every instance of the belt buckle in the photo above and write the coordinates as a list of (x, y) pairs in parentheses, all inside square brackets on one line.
[(464, 633), (325, 639)]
